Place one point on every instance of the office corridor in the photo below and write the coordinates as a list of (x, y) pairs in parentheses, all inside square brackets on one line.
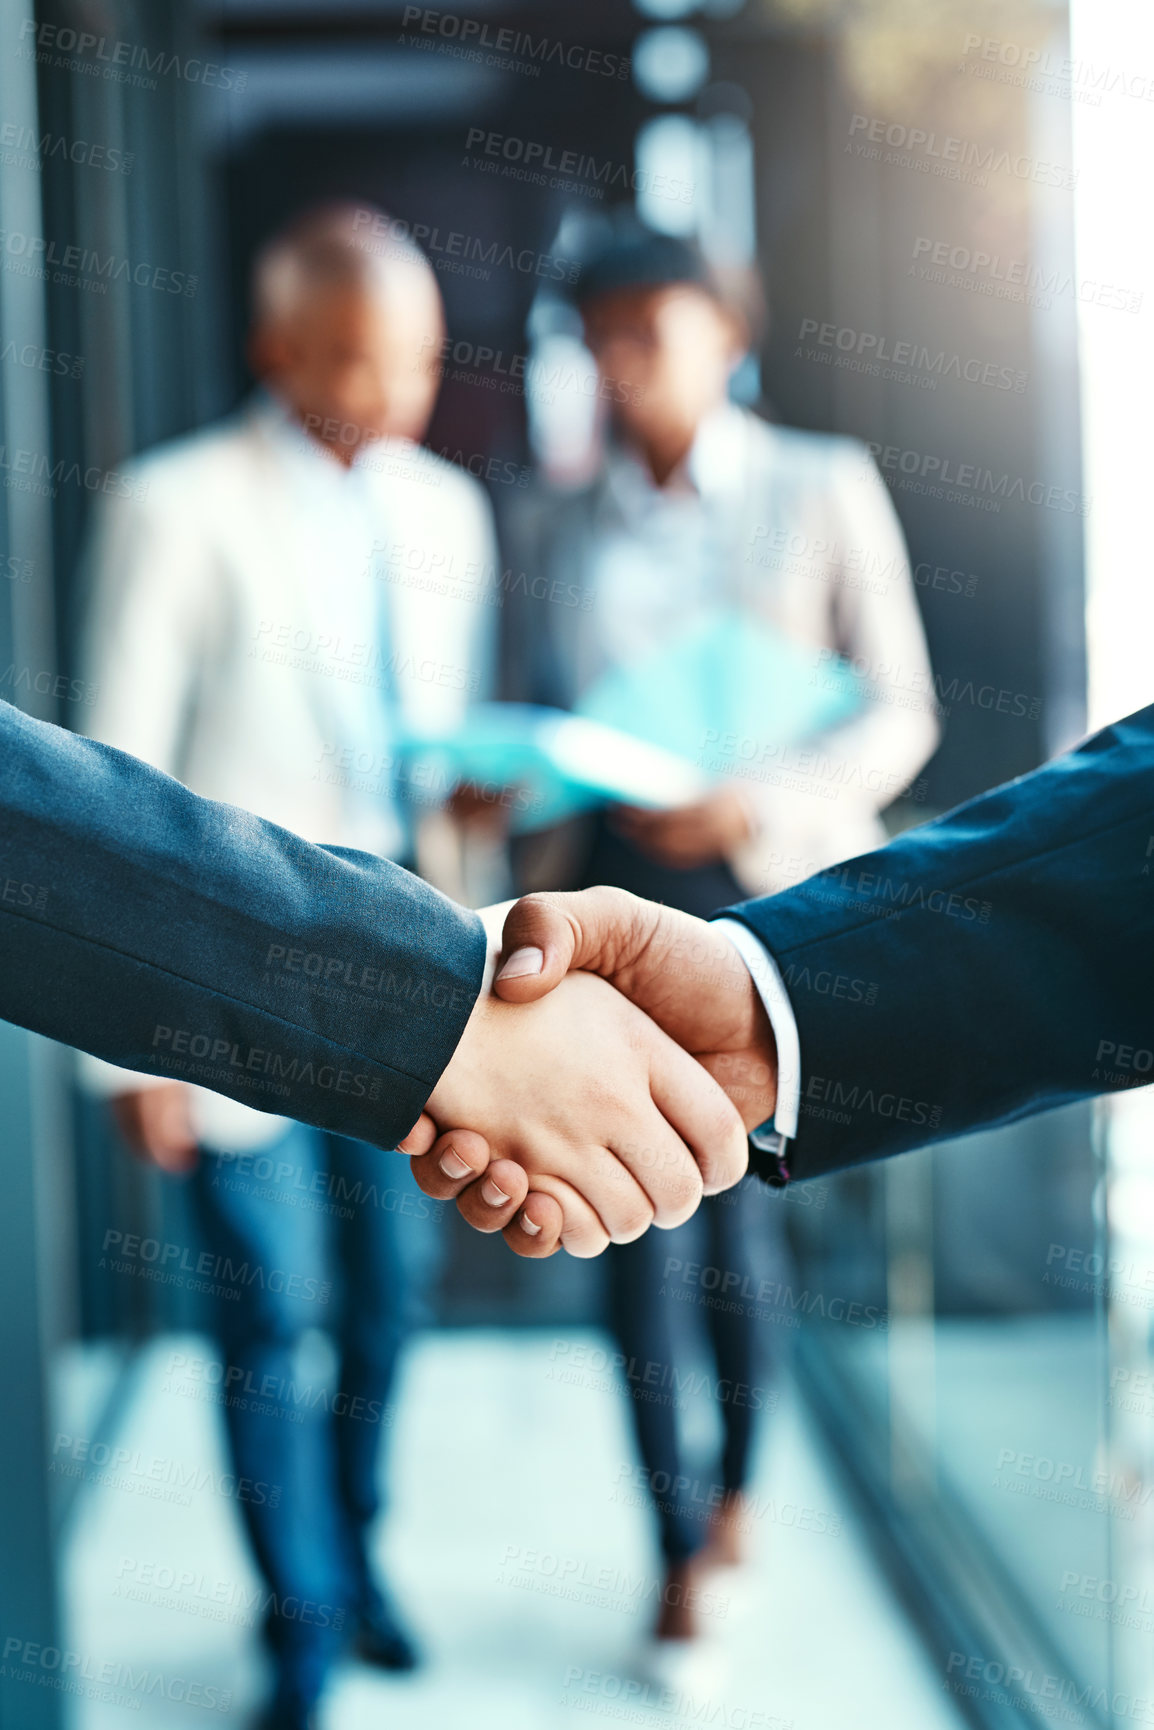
[(520, 1548)]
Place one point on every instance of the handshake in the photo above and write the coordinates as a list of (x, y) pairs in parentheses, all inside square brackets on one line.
[(616, 1059)]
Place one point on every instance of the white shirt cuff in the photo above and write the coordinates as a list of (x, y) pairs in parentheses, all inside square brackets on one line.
[(105, 1080), (771, 989)]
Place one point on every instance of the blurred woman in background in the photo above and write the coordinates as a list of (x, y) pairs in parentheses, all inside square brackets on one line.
[(746, 601)]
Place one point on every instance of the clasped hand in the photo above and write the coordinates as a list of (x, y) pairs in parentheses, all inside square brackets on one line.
[(615, 1059)]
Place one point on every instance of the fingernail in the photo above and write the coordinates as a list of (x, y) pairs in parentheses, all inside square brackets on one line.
[(494, 1196), (522, 963), (527, 1225), (453, 1165)]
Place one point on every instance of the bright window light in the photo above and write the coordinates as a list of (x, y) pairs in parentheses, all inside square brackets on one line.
[(1112, 50)]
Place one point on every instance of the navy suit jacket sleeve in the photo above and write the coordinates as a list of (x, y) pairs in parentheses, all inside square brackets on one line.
[(996, 962), (193, 940)]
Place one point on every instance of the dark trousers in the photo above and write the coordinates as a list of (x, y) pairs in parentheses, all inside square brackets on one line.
[(314, 1232), (716, 1275)]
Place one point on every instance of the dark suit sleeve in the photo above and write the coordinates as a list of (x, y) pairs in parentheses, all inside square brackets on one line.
[(996, 962), (190, 939)]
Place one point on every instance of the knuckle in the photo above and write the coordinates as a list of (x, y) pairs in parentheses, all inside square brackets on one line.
[(633, 1222), (477, 1220), (681, 1177), (724, 1120), (521, 1245), (677, 1202), (685, 1191), (727, 1148), (531, 911)]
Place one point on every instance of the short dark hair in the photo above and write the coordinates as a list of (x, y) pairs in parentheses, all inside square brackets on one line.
[(633, 256)]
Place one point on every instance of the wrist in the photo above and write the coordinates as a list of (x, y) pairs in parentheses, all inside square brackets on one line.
[(747, 1069), (753, 1088), (453, 1083)]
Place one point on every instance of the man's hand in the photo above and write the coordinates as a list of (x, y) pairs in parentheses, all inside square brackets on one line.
[(606, 1113), (157, 1125), (681, 971), (476, 807), (696, 834)]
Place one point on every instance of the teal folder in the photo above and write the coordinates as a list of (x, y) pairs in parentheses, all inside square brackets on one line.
[(733, 678), (655, 732)]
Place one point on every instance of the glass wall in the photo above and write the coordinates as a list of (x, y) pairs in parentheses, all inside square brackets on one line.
[(967, 1395)]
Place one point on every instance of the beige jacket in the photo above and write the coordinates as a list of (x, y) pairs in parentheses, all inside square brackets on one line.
[(811, 544)]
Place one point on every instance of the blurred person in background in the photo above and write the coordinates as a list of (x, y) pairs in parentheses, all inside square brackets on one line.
[(699, 508), (249, 633)]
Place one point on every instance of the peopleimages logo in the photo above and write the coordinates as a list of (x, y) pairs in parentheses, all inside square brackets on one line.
[(456, 251), (876, 352), (964, 481), (83, 267), (1040, 1691), (855, 1098), (955, 158), (233, 1385), (879, 892), (108, 1680), (122, 62), (19, 894), (146, 1581), (1031, 67), (627, 1698), (1106, 1591), (23, 147), (1071, 1483), (28, 471), (38, 359), (181, 1041), (544, 164), (187, 1478), (730, 1286), (987, 273), (584, 1582), (515, 49)]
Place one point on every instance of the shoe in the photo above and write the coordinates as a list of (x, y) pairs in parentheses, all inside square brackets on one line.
[(681, 1668), (386, 1646), (677, 1618), (381, 1640), (288, 1710)]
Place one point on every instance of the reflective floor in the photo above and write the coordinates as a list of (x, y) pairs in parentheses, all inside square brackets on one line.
[(521, 1554)]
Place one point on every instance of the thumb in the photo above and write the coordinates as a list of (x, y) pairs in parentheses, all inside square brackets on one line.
[(547, 936), (420, 1138), (538, 945)]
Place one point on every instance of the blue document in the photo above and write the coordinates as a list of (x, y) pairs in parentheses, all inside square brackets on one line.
[(649, 733), (734, 677), (559, 763)]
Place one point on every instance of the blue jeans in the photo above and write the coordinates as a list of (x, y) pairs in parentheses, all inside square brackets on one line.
[(315, 1231)]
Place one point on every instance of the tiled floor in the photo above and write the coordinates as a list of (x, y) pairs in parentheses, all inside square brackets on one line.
[(521, 1556)]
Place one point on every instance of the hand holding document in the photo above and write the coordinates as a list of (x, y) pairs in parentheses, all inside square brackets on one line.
[(560, 763), (656, 732)]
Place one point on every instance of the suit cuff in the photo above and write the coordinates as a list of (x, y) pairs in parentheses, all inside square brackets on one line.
[(772, 1138)]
